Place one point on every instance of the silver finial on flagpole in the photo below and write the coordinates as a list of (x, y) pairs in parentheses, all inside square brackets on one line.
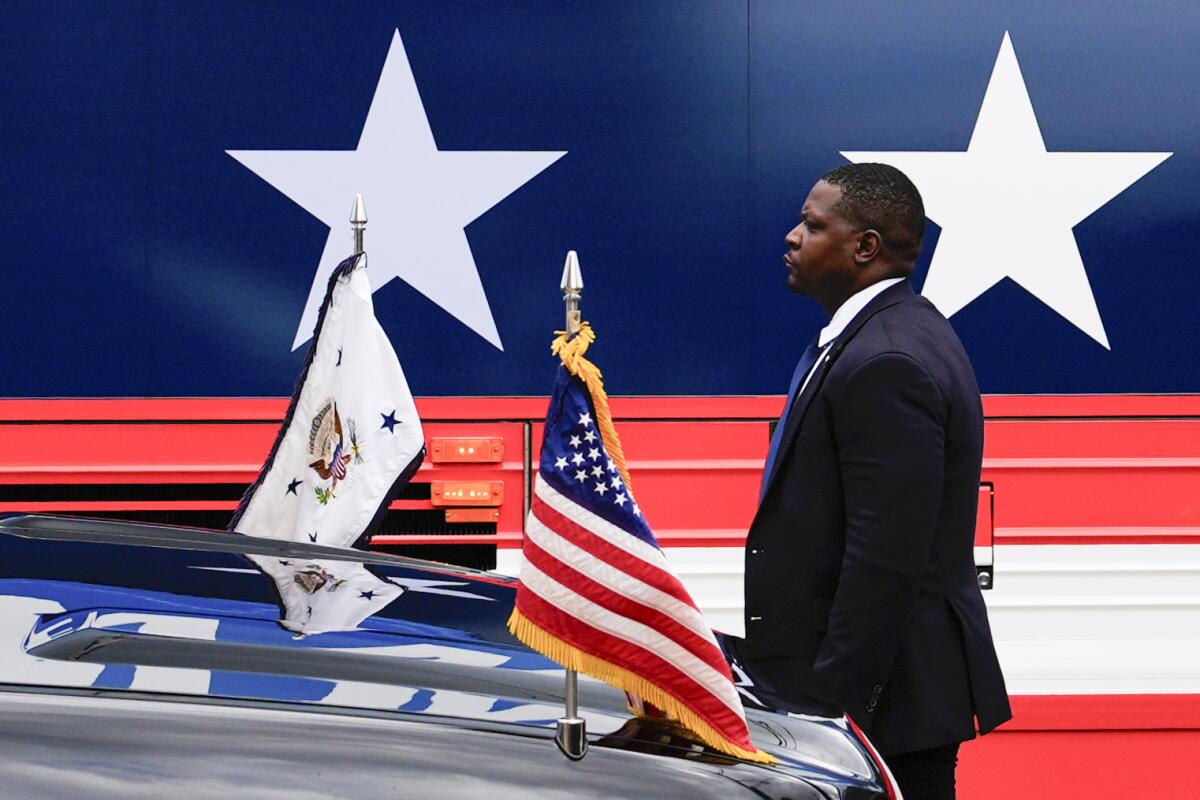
[(572, 286), (358, 222), (571, 733)]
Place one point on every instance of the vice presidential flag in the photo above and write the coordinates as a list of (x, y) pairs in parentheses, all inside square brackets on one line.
[(596, 592), (351, 438)]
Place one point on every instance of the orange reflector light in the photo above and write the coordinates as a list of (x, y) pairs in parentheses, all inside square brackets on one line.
[(488, 450), (472, 515), (466, 493)]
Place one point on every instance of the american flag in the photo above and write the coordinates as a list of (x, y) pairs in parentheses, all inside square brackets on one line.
[(338, 465), (596, 592)]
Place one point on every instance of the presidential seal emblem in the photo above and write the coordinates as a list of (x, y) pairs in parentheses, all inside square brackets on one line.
[(327, 453)]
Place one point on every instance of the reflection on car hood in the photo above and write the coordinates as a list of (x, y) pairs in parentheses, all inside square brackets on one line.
[(138, 608)]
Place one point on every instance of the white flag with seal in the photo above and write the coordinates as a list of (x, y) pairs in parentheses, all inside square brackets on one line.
[(351, 438)]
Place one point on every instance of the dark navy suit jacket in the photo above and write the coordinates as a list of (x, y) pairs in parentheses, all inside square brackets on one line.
[(861, 589)]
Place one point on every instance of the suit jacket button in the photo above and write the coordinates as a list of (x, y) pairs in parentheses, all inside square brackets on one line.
[(878, 690), (871, 705)]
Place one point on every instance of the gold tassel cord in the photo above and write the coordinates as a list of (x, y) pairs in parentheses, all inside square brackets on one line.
[(572, 351), (549, 645)]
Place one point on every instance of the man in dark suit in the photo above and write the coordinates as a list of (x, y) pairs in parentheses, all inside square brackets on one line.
[(861, 590)]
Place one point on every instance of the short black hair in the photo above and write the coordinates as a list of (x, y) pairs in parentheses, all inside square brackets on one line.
[(882, 197)]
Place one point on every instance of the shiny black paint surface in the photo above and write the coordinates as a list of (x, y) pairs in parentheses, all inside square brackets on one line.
[(106, 748), (170, 656)]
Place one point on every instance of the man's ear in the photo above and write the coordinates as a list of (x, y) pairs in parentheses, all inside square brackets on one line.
[(869, 245)]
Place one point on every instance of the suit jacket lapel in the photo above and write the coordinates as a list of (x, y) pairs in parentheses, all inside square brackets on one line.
[(888, 297)]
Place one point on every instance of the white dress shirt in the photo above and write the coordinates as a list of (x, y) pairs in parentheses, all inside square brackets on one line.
[(846, 312)]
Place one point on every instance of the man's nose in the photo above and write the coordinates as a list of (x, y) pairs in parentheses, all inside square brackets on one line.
[(794, 238)]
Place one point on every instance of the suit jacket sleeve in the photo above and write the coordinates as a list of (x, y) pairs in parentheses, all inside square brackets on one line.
[(889, 428)]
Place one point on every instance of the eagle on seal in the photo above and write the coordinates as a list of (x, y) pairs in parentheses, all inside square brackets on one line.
[(326, 446)]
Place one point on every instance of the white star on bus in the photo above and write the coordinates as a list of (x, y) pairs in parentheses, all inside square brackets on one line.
[(972, 196)]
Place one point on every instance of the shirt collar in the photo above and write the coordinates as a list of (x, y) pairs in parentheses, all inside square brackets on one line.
[(849, 310)]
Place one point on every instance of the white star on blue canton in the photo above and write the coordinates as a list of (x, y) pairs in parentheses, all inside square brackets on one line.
[(597, 471), (585, 419), (580, 475), (590, 437), (616, 483), (577, 459), (574, 441), (637, 512), (601, 488), (560, 463), (612, 465), (621, 500), (594, 454)]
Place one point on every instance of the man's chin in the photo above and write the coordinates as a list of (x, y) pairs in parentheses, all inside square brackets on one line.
[(795, 284)]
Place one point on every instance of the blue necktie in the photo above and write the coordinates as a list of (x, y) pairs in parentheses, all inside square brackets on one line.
[(807, 359)]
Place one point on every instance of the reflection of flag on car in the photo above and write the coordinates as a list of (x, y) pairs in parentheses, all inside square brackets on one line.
[(320, 596), (351, 438), (596, 592)]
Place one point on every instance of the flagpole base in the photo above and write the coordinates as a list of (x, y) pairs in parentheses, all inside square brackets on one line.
[(571, 737)]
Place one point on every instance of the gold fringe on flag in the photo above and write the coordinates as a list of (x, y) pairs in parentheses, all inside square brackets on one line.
[(549, 645), (572, 350)]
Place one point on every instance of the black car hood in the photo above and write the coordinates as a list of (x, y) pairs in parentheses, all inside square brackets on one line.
[(130, 608)]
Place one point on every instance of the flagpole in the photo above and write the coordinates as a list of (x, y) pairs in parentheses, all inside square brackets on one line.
[(358, 222), (571, 733)]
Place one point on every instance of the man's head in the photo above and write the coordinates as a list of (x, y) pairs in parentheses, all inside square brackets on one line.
[(860, 224)]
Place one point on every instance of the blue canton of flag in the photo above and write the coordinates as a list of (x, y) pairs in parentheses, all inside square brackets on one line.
[(576, 463)]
